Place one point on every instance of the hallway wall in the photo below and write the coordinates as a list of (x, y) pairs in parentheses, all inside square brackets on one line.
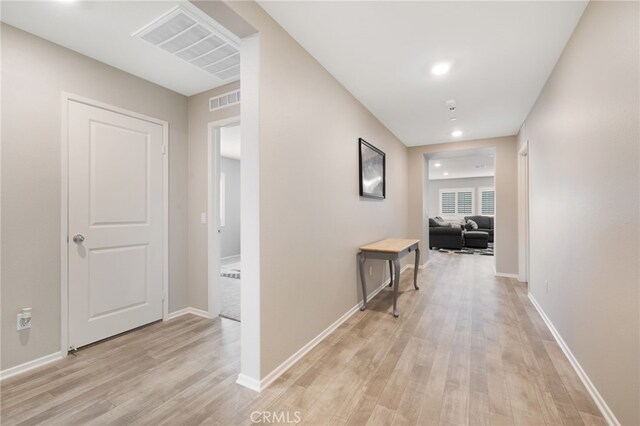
[(35, 72), (584, 160), (312, 220)]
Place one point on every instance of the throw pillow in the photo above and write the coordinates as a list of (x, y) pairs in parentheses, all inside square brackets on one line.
[(471, 225), (433, 223), (440, 221)]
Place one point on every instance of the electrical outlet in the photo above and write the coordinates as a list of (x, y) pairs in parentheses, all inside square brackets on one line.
[(203, 218), (370, 270), (23, 322)]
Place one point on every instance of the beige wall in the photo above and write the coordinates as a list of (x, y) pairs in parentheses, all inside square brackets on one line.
[(311, 217), (584, 149), (506, 229), (199, 119), (34, 73)]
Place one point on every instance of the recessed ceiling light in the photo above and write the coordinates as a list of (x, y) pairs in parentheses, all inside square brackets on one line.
[(446, 173), (437, 165), (453, 119), (456, 133), (440, 68)]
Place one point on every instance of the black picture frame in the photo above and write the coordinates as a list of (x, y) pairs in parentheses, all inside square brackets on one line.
[(370, 160)]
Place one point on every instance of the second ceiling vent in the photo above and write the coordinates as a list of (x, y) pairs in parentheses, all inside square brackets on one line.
[(181, 33)]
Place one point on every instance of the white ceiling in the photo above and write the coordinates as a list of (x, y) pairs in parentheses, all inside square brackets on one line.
[(102, 30), (501, 54), (462, 164), (230, 141)]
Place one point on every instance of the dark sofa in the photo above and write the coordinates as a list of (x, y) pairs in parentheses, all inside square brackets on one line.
[(444, 236), (485, 224)]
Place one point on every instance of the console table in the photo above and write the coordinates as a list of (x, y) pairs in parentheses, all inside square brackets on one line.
[(392, 250)]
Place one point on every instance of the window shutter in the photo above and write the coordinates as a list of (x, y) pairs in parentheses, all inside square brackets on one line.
[(448, 203), (465, 203), (487, 197)]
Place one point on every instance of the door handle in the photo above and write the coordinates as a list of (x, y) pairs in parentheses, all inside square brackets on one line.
[(78, 239)]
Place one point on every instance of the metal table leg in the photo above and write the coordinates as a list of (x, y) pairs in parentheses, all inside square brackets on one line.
[(415, 269), (362, 281), (396, 284)]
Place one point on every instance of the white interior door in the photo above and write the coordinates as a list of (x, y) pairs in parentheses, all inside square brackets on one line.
[(115, 223)]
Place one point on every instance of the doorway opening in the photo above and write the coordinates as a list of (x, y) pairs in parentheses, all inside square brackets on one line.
[(460, 201), (224, 193)]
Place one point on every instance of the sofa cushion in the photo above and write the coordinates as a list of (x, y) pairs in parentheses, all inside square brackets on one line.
[(445, 230), (440, 222), (484, 222), (470, 225)]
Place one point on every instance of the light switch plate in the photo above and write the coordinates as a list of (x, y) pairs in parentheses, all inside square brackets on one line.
[(23, 323)]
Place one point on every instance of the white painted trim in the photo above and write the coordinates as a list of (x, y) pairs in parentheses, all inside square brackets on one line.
[(523, 210), (30, 365), (189, 310), (423, 266), (597, 398), (279, 370), (248, 382), (66, 97), (505, 275), (250, 297)]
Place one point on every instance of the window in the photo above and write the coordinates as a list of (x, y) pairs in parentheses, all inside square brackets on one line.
[(487, 201), (456, 202)]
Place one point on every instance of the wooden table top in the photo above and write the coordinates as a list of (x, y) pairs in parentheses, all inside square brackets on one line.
[(390, 245)]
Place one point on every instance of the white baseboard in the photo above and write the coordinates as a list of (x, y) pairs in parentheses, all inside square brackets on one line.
[(18, 369), (600, 402), (423, 266), (260, 385), (505, 275), (194, 311), (248, 382)]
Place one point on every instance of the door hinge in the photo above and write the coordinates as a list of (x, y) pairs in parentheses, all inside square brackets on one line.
[(164, 149)]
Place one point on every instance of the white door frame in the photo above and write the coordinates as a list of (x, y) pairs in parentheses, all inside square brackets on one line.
[(213, 213), (523, 208), (64, 208)]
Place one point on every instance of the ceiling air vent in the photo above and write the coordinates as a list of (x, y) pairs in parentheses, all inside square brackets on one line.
[(224, 100), (194, 40)]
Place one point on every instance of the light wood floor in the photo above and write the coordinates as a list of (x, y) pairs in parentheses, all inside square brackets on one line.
[(468, 348)]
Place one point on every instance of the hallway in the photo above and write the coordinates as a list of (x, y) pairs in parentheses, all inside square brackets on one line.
[(468, 348)]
